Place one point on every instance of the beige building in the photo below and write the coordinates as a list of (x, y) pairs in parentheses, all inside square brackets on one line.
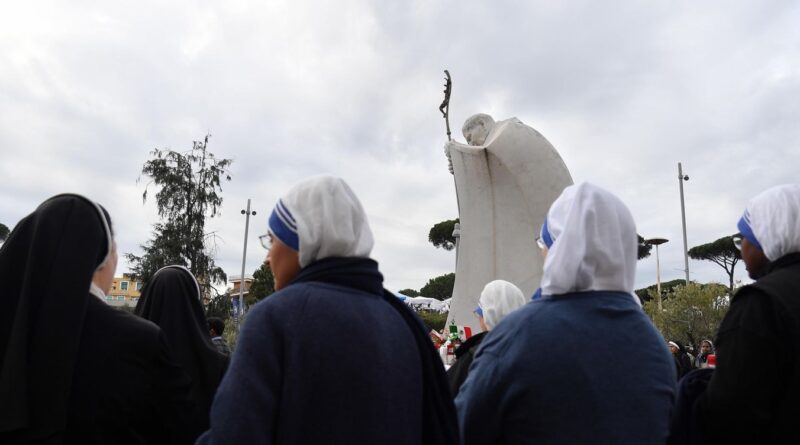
[(236, 281), (125, 291)]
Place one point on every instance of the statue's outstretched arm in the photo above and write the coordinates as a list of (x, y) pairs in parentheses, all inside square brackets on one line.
[(464, 148)]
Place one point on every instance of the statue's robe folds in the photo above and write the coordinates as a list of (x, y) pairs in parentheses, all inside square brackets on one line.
[(504, 190)]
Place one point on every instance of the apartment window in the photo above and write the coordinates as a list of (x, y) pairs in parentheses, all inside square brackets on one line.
[(120, 297), (109, 298), (138, 286), (123, 285)]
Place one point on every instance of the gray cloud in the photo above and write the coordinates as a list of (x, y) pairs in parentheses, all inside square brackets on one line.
[(624, 90)]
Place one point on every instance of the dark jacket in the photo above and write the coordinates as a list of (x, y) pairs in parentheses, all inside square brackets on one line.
[(683, 363), (464, 356), (550, 373), (684, 427), (754, 395), (332, 359), (171, 299), (126, 388), (72, 369)]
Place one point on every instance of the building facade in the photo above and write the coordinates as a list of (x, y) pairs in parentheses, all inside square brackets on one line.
[(125, 291), (236, 282)]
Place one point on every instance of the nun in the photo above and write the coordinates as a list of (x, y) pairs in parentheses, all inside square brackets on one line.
[(754, 392), (72, 368), (550, 372), (706, 349), (498, 299), (330, 357), (171, 299)]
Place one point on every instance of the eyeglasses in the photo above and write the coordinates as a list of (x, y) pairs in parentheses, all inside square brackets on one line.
[(266, 241), (540, 243), (737, 241)]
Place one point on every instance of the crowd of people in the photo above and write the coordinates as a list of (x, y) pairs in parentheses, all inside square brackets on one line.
[(332, 357), (685, 362)]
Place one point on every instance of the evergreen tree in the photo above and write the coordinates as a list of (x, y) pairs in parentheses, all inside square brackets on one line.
[(262, 287), (643, 248), (440, 288), (189, 191), (441, 234), (722, 252)]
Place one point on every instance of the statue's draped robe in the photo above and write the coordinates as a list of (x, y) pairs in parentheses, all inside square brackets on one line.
[(504, 190)]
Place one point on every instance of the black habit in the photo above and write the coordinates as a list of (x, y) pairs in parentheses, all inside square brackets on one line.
[(171, 299), (73, 369)]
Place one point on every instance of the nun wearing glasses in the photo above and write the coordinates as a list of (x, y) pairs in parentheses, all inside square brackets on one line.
[(330, 357), (72, 368), (754, 392), (550, 372), (171, 299)]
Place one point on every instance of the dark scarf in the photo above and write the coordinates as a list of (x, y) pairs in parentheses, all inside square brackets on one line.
[(171, 300), (439, 424), (46, 267), (784, 261)]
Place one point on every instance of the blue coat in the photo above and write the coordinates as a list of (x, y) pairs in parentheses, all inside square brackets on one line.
[(582, 368), (328, 359)]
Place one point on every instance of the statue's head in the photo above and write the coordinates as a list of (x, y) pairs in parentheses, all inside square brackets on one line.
[(477, 128)]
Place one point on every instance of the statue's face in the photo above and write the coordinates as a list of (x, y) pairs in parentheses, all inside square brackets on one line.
[(476, 133)]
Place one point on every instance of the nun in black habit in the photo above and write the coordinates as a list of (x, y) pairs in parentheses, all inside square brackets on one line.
[(72, 368), (171, 299)]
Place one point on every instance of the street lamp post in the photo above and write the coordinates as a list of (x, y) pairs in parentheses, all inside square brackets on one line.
[(657, 242), (247, 213), (681, 178)]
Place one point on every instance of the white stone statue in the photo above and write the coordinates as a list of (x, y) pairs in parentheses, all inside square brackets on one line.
[(507, 176)]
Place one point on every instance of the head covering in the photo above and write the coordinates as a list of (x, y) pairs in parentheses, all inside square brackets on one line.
[(592, 243), (771, 221), (46, 268), (171, 299), (672, 343), (498, 299), (710, 344), (321, 217)]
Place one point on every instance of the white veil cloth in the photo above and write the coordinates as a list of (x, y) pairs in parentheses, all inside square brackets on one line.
[(321, 217), (498, 299), (592, 243), (771, 221)]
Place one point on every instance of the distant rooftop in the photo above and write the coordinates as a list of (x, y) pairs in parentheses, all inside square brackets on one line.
[(237, 278)]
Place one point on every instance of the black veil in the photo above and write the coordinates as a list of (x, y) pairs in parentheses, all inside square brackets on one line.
[(46, 267), (171, 299)]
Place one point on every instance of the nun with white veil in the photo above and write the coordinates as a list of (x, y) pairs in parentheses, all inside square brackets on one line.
[(551, 373), (330, 357), (754, 393), (498, 299)]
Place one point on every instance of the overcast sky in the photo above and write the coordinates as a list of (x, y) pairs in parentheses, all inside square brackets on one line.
[(290, 89)]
